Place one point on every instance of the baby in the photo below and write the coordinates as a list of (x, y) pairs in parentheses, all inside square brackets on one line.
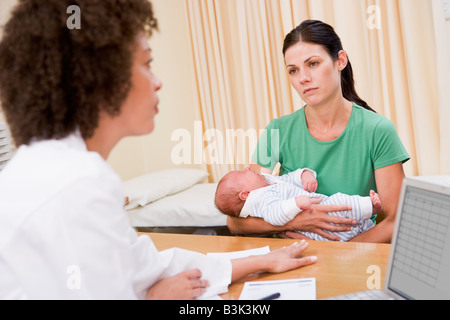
[(279, 199)]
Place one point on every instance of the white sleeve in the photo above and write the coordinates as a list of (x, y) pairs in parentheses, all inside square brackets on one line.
[(276, 211), (139, 264), (94, 235), (77, 245), (154, 266)]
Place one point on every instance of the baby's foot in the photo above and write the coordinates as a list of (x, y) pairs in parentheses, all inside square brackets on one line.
[(376, 202)]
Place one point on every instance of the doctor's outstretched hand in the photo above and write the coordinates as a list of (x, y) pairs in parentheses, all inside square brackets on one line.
[(277, 261)]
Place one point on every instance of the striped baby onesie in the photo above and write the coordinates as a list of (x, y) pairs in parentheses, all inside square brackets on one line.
[(276, 205)]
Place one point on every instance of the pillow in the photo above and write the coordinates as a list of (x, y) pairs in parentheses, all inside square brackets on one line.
[(147, 188), (193, 207)]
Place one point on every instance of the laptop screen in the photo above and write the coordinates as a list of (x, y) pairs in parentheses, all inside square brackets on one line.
[(421, 262)]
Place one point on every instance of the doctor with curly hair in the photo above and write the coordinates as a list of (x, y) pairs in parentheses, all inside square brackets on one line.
[(69, 96)]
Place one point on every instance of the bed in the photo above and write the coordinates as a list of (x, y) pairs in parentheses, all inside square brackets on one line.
[(175, 200)]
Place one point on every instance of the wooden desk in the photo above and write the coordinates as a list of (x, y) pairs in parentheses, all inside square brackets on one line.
[(341, 268)]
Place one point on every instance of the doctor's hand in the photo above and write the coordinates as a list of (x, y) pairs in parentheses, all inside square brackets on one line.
[(287, 258), (277, 261), (317, 220), (183, 286)]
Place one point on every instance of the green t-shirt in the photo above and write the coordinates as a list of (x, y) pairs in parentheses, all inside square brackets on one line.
[(346, 164)]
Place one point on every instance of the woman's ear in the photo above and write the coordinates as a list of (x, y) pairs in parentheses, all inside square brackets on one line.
[(342, 60), (243, 195)]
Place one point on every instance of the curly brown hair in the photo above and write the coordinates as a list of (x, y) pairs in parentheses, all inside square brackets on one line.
[(53, 79)]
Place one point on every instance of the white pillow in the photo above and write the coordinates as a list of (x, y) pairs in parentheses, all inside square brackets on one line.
[(153, 186), (193, 207)]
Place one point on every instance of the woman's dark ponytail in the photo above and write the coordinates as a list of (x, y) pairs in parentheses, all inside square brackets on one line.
[(318, 32), (348, 87)]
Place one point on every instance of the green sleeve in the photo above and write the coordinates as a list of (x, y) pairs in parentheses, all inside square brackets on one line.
[(388, 148)]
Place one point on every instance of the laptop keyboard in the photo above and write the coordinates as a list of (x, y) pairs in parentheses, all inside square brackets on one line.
[(364, 295)]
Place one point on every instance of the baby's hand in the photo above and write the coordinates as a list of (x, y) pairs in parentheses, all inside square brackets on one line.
[(305, 203), (309, 181)]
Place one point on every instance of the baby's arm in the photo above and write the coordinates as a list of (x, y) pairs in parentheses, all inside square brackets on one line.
[(279, 212), (305, 203)]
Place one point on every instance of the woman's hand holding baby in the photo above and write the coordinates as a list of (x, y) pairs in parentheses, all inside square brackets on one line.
[(318, 220)]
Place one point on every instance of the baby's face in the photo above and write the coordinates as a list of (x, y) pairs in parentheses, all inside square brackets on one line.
[(249, 179)]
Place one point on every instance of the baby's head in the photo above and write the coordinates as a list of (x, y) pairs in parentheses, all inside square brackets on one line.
[(233, 190)]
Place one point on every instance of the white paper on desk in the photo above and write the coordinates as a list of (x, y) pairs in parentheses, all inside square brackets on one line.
[(292, 289), (240, 254)]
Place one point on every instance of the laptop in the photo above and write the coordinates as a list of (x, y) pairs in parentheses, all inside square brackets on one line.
[(419, 260)]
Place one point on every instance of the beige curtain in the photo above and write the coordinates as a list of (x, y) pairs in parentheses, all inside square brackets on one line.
[(398, 49)]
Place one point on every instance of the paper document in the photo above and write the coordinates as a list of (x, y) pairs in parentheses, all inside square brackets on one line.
[(292, 289), (240, 254)]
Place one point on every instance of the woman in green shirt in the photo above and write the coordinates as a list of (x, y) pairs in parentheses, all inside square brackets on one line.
[(351, 147)]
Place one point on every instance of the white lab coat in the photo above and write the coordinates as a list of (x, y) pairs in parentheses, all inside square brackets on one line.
[(65, 235)]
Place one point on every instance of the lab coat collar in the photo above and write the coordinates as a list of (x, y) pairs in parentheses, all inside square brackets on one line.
[(73, 140)]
